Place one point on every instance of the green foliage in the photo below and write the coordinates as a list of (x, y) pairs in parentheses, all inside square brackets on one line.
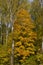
[(30, 61), (37, 16), (4, 55), (5, 13), (34, 60)]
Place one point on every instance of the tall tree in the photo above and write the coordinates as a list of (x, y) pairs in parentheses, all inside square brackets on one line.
[(24, 36), (8, 8), (37, 16)]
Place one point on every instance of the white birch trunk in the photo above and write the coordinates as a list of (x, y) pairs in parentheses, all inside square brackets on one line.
[(11, 20), (1, 26), (41, 2), (42, 44), (6, 36), (12, 52)]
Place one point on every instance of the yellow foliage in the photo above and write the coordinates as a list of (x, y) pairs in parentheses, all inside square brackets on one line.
[(18, 43), (32, 53), (23, 28), (23, 35), (22, 13)]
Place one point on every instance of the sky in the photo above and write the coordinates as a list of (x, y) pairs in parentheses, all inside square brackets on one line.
[(30, 0)]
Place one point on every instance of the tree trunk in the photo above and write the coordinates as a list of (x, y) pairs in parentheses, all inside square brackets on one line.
[(12, 52)]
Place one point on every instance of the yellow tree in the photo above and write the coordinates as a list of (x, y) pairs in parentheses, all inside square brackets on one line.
[(24, 36)]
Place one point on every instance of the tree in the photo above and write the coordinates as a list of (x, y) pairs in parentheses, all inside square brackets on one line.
[(8, 9), (24, 36), (37, 16)]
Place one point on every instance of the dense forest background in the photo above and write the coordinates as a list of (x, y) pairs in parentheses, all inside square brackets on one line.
[(21, 32)]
